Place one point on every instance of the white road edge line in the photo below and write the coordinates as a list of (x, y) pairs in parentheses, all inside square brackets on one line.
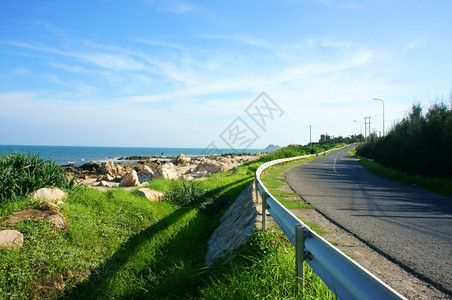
[(334, 164)]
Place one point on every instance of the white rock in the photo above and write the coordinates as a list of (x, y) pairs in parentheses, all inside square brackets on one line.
[(151, 194), (182, 160), (186, 177), (130, 179), (109, 168), (210, 167), (146, 171), (103, 183), (49, 194), (11, 238), (166, 171)]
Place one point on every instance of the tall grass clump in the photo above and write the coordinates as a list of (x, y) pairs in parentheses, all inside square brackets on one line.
[(186, 193), (420, 144), (21, 174)]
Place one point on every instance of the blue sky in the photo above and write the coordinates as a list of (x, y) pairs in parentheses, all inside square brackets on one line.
[(179, 73)]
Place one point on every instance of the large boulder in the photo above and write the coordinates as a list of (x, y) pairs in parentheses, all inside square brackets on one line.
[(150, 194), (109, 168), (166, 171), (130, 179), (181, 160), (49, 194), (11, 239), (146, 171), (209, 167), (145, 174), (90, 166)]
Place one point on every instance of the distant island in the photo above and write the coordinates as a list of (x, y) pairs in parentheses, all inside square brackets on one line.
[(271, 148)]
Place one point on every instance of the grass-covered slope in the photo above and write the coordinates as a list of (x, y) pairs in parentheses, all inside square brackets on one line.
[(120, 245)]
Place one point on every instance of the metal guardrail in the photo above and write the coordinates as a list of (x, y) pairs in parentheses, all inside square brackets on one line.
[(343, 276)]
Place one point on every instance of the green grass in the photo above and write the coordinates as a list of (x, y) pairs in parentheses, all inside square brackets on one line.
[(120, 245), (132, 247), (264, 269), (442, 185), (274, 179)]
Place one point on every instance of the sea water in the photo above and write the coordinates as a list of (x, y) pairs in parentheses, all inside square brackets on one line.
[(78, 155)]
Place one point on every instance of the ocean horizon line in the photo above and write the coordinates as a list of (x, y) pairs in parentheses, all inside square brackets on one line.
[(91, 146), (78, 155)]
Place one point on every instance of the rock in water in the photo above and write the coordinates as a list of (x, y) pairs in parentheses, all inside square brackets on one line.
[(11, 239), (130, 179)]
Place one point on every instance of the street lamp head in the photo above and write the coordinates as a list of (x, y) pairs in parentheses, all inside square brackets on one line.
[(377, 99)]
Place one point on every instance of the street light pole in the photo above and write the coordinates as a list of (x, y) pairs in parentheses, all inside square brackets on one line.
[(377, 99)]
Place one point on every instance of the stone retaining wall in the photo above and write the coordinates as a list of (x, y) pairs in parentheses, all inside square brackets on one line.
[(237, 224)]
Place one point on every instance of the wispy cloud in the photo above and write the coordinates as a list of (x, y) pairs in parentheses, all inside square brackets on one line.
[(21, 71), (415, 44), (103, 60), (159, 43), (180, 7)]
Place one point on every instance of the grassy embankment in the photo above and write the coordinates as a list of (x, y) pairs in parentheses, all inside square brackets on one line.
[(120, 245), (442, 185)]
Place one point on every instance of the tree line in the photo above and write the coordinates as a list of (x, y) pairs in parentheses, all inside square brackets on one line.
[(420, 144)]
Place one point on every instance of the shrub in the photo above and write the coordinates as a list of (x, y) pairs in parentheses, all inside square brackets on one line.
[(21, 174), (186, 193)]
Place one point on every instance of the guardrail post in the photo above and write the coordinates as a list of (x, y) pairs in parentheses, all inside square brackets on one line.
[(299, 254), (264, 210), (256, 189)]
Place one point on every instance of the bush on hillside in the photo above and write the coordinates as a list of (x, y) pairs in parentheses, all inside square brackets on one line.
[(22, 174), (186, 193)]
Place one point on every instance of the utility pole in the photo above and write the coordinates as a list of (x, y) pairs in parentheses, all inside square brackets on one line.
[(377, 99), (365, 129), (310, 140)]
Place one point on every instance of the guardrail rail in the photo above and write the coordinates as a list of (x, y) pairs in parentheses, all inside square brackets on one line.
[(343, 276)]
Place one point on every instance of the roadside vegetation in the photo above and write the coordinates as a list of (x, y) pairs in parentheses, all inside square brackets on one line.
[(120, 245), (442, 185), (420, 144), (416, 151)]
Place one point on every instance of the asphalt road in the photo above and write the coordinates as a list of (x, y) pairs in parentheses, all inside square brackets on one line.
[(410, 225)]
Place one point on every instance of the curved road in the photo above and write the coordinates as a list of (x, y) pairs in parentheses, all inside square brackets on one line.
[(410, 225)]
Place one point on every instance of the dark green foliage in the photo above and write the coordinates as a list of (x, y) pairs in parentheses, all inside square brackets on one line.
[(22, 174), (185, 193), (419, 144)]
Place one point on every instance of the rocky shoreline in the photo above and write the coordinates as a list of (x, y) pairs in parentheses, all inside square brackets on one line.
[(138, 170)]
